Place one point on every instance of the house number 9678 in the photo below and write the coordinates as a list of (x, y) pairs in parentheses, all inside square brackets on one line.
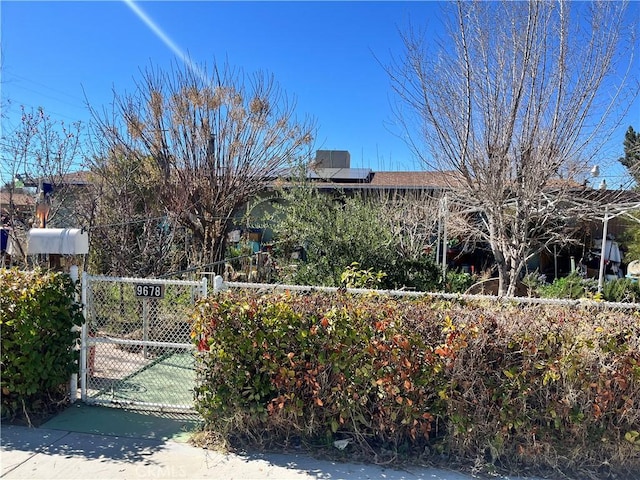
[(153, 291)]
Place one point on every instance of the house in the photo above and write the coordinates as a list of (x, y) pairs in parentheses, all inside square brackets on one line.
[(331, 172), (16, 203), (37, 203)]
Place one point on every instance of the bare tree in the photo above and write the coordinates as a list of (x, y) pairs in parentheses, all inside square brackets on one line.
[(518, 101), (412, 217), (130, 232), (215, 141), (39, 151)]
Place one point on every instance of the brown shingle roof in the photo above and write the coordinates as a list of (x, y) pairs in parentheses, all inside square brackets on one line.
[(392, 180), (407, 180), (417, 179), (19, 199), (77, 178)]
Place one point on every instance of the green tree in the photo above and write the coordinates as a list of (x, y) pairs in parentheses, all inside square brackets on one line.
[(631, 158), (337, 230)]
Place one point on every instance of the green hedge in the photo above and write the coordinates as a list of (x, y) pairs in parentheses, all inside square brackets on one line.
[(495, 386), (37, 312)]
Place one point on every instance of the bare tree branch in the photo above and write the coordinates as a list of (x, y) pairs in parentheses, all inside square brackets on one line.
[(215, 143), (518, 106)]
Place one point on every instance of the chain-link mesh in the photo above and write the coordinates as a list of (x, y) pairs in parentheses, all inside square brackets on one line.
[(582, 302), (138, 345)]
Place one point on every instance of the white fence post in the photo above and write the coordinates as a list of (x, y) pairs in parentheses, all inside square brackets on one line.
[(83, 340), (73, 381), (218, 284), (204, 287), (145, 326)]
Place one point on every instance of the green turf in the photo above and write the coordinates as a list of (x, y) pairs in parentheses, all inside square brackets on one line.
[(169, 380), (125, 423)]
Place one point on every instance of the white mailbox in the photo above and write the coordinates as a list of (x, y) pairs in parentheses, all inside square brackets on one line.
[(61, 241)]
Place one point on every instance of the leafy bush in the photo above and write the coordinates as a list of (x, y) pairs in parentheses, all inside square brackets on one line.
[(534, 280), (458, 282), (235, 255), (312, 367), (621, 290), (355, 277), (37, 313), (573, 286), (420, 273), (337, 230), (500, 386)]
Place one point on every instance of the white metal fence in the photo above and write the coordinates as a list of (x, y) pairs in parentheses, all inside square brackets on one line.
[(136, 346), (219, 285)]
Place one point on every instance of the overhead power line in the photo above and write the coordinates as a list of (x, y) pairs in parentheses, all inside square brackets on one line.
[(8, 82)]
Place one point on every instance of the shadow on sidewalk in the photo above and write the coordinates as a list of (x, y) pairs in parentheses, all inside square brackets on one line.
[(119, 422)]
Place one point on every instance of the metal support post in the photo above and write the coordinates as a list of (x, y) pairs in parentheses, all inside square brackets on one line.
[(445, 213), (603, 250)]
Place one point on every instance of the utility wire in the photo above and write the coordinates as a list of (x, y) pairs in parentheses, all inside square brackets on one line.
[(40, 84), (142, 220), (121, 224)]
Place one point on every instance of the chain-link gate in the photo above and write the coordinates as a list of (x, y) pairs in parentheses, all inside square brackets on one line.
[(136, 345)]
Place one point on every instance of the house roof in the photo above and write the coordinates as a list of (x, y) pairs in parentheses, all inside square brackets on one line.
[(410, 179), (390, 180), (608, 197), (18, 199), (76, 178), (73, 178)]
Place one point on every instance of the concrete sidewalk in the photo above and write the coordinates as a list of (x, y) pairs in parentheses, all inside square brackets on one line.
[(54, 454), (109, 443), (42, 453)]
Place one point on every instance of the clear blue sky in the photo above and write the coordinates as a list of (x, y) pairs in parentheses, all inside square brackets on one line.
[(323, 53)]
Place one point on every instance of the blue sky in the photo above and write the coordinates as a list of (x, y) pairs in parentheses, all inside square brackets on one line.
[(325, 54)]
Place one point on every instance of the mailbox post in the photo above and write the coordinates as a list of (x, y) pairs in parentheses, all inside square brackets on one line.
[(56, 242)]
